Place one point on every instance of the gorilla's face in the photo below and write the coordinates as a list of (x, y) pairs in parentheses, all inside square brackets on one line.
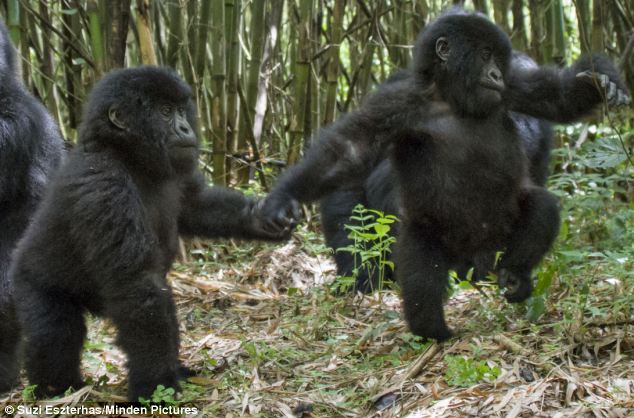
[(467, 59), (182, 144), (490, 84), (159, 137)]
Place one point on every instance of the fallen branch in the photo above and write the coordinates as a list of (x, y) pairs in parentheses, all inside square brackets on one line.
[(509, 344)]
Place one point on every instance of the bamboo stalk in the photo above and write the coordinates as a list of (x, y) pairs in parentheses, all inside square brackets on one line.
[(146, 46), (332, 71), (96, 38), (232, 15), (302, 72), (253, 77), (218, 107)]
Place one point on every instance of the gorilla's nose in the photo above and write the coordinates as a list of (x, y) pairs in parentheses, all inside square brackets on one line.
[(495, 75)]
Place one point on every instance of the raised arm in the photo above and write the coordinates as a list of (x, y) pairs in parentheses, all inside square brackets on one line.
[(218, 212), (566, 95)]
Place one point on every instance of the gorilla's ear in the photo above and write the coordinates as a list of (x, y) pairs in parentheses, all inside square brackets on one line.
[(442, 48), (115, 117)]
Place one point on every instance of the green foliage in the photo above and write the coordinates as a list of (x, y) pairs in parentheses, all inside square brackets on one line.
[(28, 393), (161, 395), (464, 372), (372, 242), (595, 222)]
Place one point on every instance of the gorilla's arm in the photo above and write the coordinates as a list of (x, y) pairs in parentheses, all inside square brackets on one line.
[(566, 95), (341, 153), (346, 151), (218, 212)]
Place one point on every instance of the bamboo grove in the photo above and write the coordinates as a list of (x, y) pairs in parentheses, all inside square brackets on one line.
[(268, 73)]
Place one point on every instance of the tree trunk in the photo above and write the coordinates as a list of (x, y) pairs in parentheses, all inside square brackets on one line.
[(232, 15), (218, 104), (332, 72), (96, 38), (559, 41), (146, 46), (47, 61), (253, 78), (584, 20), (201, 42), (500, 12), (598, 15), (175, 31), (119, 16), (518, 37), (302, 73)]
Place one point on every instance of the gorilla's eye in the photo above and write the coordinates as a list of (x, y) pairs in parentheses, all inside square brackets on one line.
[(181, 110), (165, 110), (486, 54)]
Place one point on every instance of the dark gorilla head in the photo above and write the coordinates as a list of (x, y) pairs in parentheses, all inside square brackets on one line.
[(147, 117), (465, 56)]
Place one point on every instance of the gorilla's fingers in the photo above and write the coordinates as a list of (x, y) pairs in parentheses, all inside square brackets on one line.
[(611, 94), (604, 81), (623, 98)]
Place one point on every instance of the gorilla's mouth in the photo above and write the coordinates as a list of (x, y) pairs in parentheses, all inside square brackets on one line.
[(490, 85), (182, 145)]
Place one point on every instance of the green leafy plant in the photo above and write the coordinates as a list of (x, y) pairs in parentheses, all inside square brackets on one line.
[(161, 395), (464, 372), (28, 393), (371, 244)]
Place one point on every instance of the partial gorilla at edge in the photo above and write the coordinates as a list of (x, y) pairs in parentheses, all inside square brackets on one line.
[(31, 147)]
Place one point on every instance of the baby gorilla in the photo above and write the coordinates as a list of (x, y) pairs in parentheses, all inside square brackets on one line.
[(107, 232)]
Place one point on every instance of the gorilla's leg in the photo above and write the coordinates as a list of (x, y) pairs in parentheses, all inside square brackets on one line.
[(183, 371), (422, 274), (336, 210), (532, 237), (9, 339), (9, 326), (144, 314), (54, 331)]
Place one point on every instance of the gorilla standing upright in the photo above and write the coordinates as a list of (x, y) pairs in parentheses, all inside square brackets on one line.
[(380, 191), (107, 231), (463, 177), (30, 148)]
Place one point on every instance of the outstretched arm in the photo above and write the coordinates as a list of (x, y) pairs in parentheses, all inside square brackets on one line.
[(217, 212), (346, 151), (342, 152), (566, 95)]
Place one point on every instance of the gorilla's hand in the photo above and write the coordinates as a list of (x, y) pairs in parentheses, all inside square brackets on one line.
[(601, 73), (275, 217), (614, 95)]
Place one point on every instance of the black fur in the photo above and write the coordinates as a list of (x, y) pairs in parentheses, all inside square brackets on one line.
[(462, 174), (380, 191), (106, 233), (30, 148)]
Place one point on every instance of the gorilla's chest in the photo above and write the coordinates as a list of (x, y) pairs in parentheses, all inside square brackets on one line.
[(461, 172), (162, 205)]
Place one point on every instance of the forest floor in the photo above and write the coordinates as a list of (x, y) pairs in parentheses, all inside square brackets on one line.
[(268, 339)]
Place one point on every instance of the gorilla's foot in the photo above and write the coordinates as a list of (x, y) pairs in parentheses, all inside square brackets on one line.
[(518, 286)]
